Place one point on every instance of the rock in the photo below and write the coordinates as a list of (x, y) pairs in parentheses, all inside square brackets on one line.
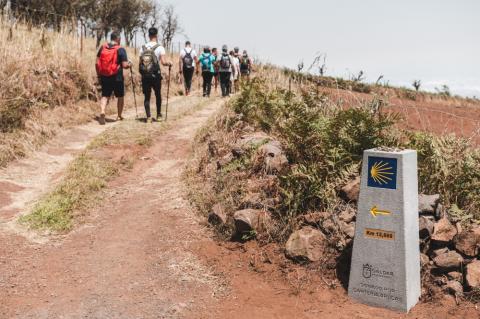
[(251, 140), (424, 260), (329, 226), (468, 242), (427, 204), (440, 251), (454, 287), (444, 231), (247, 220), (218, 216), (448, 260), (347, 215), (252, 200), (315, 218), (425, 227), (306, 244), (347, 229), (473, 274), (351, 191), (274, 159), (439, 212), (455, 275)]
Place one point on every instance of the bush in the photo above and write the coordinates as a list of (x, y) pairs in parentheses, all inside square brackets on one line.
[(324, 144)]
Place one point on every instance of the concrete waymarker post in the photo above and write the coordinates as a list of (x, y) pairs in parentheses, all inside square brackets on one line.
[(385, 270)]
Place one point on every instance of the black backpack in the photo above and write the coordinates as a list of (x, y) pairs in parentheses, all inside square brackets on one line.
[(188, 60), (225, 62), (149, 64), (245, 63)]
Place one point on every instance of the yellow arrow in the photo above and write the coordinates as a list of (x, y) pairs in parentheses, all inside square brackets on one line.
[(375, 212)]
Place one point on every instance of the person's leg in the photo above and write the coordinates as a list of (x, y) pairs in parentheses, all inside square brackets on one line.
[(188, 78), (119, 91), (209, 78), (107, 90), (205, 84), (228, 83), (223, 83), (147, 91), (158, 96)]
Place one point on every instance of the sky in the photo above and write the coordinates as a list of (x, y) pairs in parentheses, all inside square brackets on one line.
[(435, 41)]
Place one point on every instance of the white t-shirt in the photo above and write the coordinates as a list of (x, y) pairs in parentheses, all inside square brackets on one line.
[(236, 65), (192, 52), (159, 52)]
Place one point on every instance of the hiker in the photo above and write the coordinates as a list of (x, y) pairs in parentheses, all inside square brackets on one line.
[(225, 70), (207, 61), (236, 66), (152, 54), (188, 59), (245, 65), (215, 66), (111, 60)]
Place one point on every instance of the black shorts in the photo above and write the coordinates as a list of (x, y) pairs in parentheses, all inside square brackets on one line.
[(112, 85)]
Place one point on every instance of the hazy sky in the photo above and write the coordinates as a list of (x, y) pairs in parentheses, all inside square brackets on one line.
[(436, 41)]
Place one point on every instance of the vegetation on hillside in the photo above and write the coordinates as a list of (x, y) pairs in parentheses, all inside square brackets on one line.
[(324, 144)]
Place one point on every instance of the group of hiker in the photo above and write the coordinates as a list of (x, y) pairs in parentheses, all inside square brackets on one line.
[(225, 68)]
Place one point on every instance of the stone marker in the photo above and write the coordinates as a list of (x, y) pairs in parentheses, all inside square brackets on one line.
[(385, 270)]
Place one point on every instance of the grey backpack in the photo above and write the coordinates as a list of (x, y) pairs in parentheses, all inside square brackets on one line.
[(149, 64)]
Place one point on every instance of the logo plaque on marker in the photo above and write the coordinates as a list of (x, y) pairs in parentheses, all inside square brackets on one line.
[(382, 172)]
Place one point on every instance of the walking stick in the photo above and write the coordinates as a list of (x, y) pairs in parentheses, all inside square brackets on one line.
[(134, 95), (168, 92)]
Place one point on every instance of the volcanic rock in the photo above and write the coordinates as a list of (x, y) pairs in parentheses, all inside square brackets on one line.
[(351, 190), (306, 244)]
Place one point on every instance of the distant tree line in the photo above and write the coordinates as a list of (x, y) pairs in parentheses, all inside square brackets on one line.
[(99, 17)]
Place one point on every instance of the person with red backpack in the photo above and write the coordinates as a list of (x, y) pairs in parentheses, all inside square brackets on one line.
[(111, 60), (187, 62)]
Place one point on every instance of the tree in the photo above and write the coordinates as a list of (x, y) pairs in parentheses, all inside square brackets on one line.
[(416, 84), (169, 26)]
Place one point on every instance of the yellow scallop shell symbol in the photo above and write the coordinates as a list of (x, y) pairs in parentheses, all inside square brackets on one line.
[(381, 172)]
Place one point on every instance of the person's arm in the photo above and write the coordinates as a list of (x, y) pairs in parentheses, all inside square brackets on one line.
[(123, 58), (164, 61), (197, 63)]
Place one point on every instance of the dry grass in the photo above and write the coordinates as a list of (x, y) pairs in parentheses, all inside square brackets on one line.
[(43, 77), (48, 84)]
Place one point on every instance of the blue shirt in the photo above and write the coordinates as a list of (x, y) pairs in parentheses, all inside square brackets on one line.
[(207, 58)]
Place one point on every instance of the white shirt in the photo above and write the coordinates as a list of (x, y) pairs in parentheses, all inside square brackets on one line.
[(192, 52), (159, 52), (236, 66)]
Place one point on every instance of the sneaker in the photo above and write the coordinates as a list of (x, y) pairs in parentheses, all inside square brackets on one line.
[(149, 120), (120, 118), (159, 118), (101, 120)]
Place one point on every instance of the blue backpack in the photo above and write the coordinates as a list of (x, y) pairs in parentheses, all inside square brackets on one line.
[(206, 62)]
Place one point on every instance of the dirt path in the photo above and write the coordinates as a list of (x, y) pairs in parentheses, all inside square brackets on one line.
[(144, 253)]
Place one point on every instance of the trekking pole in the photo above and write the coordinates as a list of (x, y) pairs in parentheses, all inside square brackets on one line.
[(168, 92), (134, 95)]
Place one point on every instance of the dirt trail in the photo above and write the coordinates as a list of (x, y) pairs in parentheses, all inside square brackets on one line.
[(144, 253)]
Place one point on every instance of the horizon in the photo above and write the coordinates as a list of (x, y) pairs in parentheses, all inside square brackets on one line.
[(432, 41)]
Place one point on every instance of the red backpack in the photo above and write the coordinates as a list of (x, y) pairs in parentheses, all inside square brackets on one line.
[(107, 62)]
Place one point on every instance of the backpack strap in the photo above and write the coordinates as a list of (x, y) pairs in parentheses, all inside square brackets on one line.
[(156, 46)]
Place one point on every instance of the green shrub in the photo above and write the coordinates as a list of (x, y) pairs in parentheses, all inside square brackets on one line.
[(451, 167)]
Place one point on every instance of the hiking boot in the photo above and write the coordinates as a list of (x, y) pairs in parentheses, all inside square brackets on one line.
[(101, 120), (149, 120)]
